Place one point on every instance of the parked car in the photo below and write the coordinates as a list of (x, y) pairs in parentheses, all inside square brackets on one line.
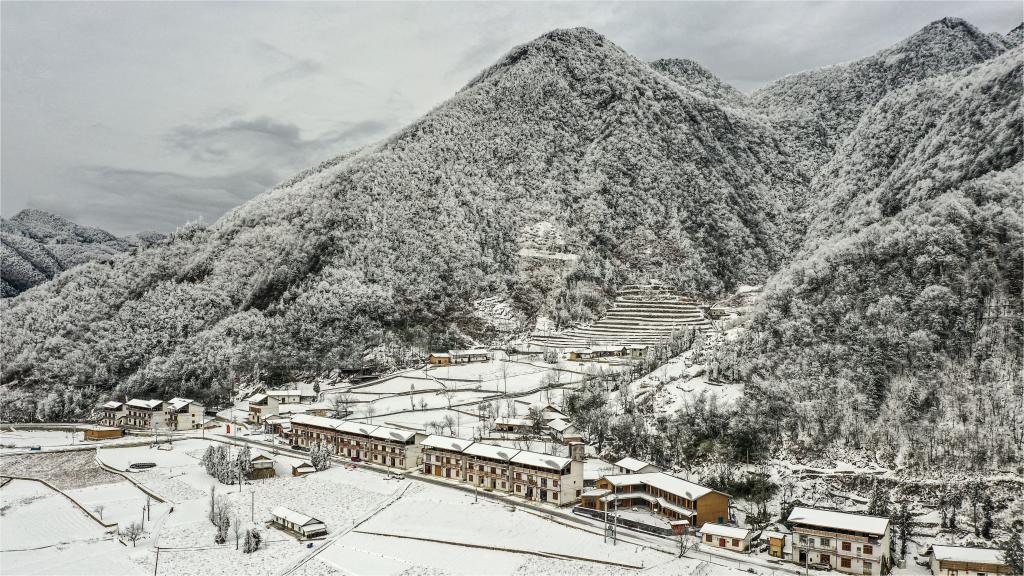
[(35, 448), (357, 459)]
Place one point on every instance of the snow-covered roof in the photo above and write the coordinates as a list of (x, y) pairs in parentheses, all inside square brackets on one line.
[(968, 554), (319, 421), (490, 451), (835, 519), (446, 443), (304, 466), (541, 460), (722, 530), (559, 425), (113, 405), (595, 493), (662, 481), (292, 392), (514, 421), (607, 348), (359, 428), (440, 354), (393, 434), (179, 403), (256, 398), (632, 464), (294, 517), (147, 404), (292, 408), (470, 352)]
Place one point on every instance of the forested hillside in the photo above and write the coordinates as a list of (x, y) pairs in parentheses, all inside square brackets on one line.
[(35, 246), (898, 325), (379, 254)]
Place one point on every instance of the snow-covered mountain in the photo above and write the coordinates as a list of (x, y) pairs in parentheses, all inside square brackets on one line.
[(36, 245), (560, 174)]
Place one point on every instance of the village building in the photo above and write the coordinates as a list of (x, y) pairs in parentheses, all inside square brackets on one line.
[(634, 466), (663, 494), (146, 415), (779, 540), (514, 425), (262, 467), (442, 456), (184, 414), (298, 523), (471, 355), (967, 561), (102, 432), (293, 396), (261, 407), (563, 431), (638, 351), (303, 468), (112, 413), (487, 466), (439, 358), (390, 447), (851, 543), (727, 537), (531, 475), (597, 352)]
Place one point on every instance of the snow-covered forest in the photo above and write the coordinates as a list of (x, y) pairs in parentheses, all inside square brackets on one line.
[(878, 201)]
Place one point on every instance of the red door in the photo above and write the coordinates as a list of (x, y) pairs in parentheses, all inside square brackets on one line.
[(721, 542)]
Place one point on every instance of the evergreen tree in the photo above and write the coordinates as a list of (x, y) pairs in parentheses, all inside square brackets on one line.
[(1013, 551), (987, 507)]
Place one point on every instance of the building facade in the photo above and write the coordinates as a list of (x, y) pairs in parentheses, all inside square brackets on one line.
[(850, 543), (112, 413), (664, 494), (184, 414), (967, 561), (727, 537), (389, 447), (146, 415)]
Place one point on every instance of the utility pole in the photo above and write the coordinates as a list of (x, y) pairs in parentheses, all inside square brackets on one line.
[(157, 560), (252, 507), (143, 517)]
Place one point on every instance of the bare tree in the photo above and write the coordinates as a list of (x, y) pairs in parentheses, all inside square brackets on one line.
[(448, 395), (687, 542), (99, 510), (132, 532), (370, 411), (342, 403), (449, 422), (238, 531)]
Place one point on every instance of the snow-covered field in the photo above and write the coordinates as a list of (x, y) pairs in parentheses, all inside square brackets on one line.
[(44, 533)]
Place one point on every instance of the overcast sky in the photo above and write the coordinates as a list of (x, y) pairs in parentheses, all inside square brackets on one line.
[(142, 116)]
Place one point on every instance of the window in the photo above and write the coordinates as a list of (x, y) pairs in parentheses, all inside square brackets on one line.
[(735, 543), (554, 483), (554, 496), (844, 562), (519, 488), (868, 549), (846, 546), (826, 542), (803, 539), (470, 477), (707, 537)]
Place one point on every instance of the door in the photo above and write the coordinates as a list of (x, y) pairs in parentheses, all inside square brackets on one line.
[(721, 542), (803, 557)]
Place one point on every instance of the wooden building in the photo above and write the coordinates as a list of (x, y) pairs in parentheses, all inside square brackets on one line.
[(298, 523), (779, 540), (102, 432), (851, 543), (673, 497), (967, 561), (262, 467), (439, 358), (728, 537), (514, 425), (302, 469)]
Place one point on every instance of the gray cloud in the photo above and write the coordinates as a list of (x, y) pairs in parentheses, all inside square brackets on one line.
[(103, 123)]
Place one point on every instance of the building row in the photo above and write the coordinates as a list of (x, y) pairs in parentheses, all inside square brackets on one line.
[(173, 414), (597, 352), (459, 356)]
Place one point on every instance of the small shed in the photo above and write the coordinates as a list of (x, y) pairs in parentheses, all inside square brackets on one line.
[(297, 522), (262, 467), (302, 469), (439, 358), (103, 432), (728, 537)]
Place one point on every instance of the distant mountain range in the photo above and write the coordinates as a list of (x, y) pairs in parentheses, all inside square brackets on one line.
[(871, 199), (36, 245)]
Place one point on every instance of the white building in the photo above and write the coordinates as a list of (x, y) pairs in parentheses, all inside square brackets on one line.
[(967, 561), (851, 543), (728, 537), (633, 466), (305, 526)]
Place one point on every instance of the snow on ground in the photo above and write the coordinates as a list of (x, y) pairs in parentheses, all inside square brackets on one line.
[(122, 501), (65, 470), (15, 441)]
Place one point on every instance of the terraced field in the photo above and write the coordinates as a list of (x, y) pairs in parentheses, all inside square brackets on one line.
[(641, 315)]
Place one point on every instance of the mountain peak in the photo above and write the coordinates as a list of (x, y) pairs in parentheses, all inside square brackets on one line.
[(698, 79)]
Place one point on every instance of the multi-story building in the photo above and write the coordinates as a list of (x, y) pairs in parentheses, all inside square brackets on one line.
[(262, 407), (146, 414), (633, 466), (530, 475), (112, 413), (967, 561), (664, 494), (850, 543), (390, 447), (184, 414), (442, 456)]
